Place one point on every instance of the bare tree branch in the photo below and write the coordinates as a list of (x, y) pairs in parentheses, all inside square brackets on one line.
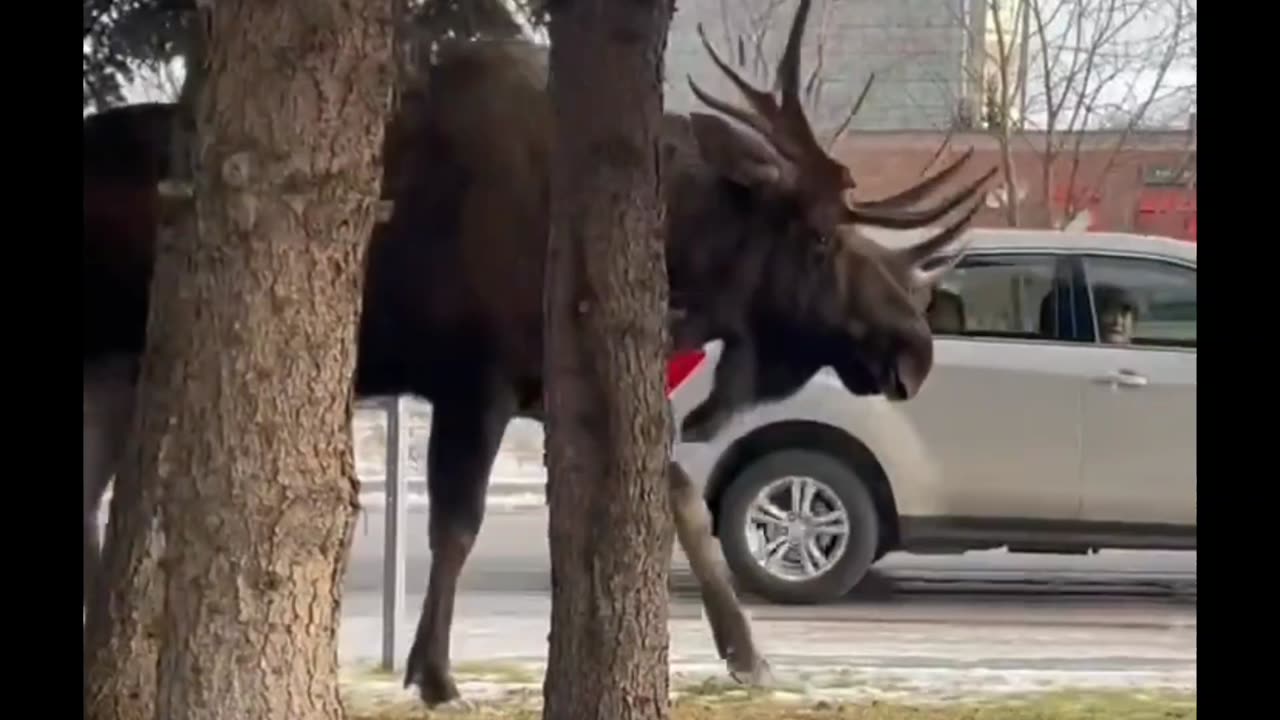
[(813, 86), (1004, 54), (1081, 64), (1140, 113), (750, 37), (853, 110)]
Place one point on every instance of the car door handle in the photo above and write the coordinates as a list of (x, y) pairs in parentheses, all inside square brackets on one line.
[(1127, 378)]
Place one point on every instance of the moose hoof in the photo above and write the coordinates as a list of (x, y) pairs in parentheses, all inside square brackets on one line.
[(753, 671), (456, 706), (435, 686)]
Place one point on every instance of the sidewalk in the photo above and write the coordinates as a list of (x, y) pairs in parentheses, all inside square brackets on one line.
[(497, 692), (497, 655), (508, 491)]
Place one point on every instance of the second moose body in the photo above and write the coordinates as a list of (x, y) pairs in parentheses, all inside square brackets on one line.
[(762, 253)]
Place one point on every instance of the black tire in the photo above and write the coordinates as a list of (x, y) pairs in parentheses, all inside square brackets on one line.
[(859, 554)]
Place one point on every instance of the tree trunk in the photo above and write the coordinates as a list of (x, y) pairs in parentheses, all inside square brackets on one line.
[(246, 429), (608, 424), (123, 616), (1011, 180), (121, 638), (1046, 180)]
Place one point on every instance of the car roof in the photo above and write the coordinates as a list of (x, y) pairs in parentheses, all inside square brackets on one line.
[(1048, 239)]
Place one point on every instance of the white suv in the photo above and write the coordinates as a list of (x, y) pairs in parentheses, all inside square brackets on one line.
[(1060, 417)]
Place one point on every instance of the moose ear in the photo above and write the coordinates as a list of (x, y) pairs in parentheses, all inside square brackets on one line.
[(740, 156)]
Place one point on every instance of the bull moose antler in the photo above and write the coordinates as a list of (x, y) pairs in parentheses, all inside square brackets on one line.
[(817, 176)]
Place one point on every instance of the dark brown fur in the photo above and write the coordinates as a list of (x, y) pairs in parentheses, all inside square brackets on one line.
[(453, 294)]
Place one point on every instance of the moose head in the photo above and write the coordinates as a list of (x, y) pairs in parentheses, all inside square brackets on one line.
[(824, 289)]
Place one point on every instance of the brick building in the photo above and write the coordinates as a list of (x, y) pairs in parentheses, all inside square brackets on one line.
[(1143, 187)]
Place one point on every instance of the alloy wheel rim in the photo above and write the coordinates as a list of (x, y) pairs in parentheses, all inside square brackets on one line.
[(797, 528)]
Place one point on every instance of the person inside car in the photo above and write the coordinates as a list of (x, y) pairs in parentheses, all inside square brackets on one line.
[(1117, 313), (945, 313)]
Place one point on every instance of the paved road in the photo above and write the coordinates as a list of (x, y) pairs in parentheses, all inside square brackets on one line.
[(511, 556), (980, 621), (919, 626)]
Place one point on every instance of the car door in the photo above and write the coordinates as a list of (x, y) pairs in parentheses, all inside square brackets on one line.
[(1000, 411), (1139, 459)]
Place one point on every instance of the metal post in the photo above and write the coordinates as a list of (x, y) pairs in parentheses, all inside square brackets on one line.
[(394, 518)]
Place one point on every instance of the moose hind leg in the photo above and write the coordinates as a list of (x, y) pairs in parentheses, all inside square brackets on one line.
[(729, 625), (465, 435), (108, 408)]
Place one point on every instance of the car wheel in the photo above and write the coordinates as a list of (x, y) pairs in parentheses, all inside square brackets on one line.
[(798, 526)]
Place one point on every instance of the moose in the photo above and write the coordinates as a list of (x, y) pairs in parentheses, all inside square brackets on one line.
[(763, 253)]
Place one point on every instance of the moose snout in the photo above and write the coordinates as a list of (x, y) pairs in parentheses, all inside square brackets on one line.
[(908, 369)]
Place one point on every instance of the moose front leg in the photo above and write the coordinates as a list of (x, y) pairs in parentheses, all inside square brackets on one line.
[(733, 388), (729, 625), (467, 426), (687, 329)]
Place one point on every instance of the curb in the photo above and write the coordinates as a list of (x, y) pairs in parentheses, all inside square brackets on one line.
[(497, 483), (506, 492), (497, 499)]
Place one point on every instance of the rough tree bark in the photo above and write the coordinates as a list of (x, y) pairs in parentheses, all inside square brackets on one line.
[(607, 417), (124, 605), (248, 437), (123, 613)]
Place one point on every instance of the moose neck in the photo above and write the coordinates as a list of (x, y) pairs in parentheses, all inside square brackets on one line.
[(735, 259)]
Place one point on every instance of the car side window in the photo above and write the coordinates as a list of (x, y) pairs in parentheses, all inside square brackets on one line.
[(1141, 301), (1000, 296)]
